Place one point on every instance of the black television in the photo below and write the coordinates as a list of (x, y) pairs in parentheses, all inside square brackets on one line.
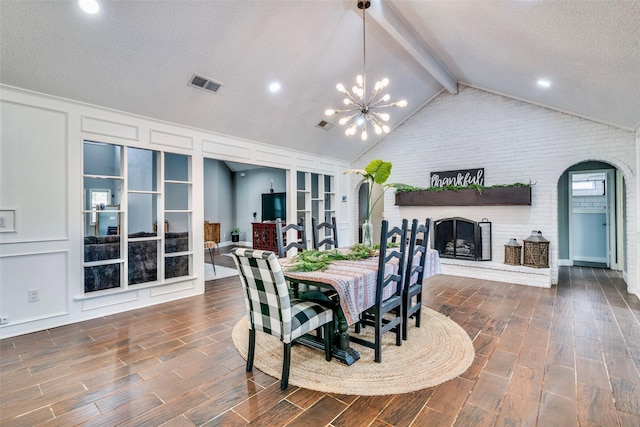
[(274, 206)]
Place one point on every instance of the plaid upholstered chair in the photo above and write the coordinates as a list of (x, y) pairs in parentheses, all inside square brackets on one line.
[(271, 310), (416, 259)]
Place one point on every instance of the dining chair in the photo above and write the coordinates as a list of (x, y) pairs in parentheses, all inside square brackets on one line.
[(416, 260), (270, 309), (299, 243), (321, 230), (391, 271)]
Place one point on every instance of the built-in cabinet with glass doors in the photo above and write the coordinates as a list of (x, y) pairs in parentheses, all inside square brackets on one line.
[(136, 202), (315, 198)]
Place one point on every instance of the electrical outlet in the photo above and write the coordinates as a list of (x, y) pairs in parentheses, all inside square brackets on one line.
[(33, 295), (4, 320)]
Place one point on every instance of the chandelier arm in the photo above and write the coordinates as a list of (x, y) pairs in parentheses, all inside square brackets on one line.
[(376, 104), (351, 97), (386, 105), (348, 110), (364, 55)]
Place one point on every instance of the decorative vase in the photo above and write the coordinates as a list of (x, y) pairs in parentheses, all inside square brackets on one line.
[(367, 233)]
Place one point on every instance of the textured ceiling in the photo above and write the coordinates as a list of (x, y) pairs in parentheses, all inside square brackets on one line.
[(137, 56)]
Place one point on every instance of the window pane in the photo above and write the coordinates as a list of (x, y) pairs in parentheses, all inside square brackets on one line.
[(176, 167), (327, 183), (176, 242), (327, 202), (178, 221), (101, 277), (176, 266), (100, 248), (143, 261), (102, 159), (142, 168), (96, 189), (300, 178), (314, 185), (176, 196), (142, 213)]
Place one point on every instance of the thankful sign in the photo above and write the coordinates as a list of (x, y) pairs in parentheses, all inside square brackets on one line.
[(459, 178)]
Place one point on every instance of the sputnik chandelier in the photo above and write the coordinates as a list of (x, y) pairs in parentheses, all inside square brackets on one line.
[(360, 109)]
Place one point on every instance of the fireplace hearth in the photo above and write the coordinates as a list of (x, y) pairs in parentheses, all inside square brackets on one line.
[(463, 238)]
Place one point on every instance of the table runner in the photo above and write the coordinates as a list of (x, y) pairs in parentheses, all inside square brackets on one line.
[(354, 281)]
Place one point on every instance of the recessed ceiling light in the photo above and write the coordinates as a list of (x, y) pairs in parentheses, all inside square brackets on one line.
[(544, 83), (89, 6), (274, 87)]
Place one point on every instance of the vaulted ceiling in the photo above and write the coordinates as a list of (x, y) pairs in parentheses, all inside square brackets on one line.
[(138, 56)]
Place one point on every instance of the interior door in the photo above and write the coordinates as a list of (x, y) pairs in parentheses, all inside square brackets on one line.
[(591, 201)]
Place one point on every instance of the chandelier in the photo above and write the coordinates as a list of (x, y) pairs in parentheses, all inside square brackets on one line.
[(361, 109)]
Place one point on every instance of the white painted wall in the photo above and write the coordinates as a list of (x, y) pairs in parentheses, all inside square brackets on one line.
[(514, 142), (41, 178)]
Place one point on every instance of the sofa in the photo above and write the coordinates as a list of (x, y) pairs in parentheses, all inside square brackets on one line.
[(142, 259)]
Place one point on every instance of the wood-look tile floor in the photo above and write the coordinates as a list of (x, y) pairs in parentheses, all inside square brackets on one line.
[(564, 356)]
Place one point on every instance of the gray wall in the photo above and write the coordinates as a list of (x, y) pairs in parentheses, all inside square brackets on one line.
[(249, 186), (219, 196)]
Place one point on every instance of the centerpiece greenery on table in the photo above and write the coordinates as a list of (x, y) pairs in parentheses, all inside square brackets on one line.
[(312, 260)]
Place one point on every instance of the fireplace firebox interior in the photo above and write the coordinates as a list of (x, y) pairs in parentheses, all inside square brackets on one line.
[(463, 239)]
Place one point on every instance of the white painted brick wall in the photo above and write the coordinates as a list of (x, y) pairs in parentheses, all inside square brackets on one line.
[(514, 142)]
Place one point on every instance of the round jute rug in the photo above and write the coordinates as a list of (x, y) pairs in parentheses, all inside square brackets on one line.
[(434, 353)]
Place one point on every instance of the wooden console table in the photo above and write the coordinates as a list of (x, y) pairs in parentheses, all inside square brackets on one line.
[(212, 232)]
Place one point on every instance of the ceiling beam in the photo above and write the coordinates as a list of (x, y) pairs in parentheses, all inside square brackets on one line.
[(401, 32)]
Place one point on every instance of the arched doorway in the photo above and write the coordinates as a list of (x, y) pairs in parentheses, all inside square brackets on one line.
[(591, 216)]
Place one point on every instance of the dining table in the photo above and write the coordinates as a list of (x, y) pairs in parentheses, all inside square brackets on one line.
[(354, 283)]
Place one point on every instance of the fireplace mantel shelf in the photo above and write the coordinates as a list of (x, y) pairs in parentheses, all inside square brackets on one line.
[(466, 197)]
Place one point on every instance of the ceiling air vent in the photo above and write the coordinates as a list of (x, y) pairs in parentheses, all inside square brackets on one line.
[(323, 124), (204, 83)]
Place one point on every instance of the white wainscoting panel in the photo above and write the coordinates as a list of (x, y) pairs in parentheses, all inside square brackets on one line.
[(170, 139), (109, 128), (45, 273), (33, 171), (230, 151)]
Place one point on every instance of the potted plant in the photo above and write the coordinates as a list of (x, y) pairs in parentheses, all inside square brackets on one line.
[(235, 235), (376, 172)]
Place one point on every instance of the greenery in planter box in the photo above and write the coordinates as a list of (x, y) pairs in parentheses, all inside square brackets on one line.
[(404, 188)]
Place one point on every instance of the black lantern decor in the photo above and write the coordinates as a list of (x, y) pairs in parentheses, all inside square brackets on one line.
[(512, 252), (536, 250)]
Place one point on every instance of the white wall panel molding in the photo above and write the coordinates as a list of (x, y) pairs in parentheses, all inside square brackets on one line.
[(112, 300), (109, 128), (171, 288), (272, 158), (169, 139), (45, 273), (33, 171), (42, 178), (305, 164), (226, 151), (327, 167)]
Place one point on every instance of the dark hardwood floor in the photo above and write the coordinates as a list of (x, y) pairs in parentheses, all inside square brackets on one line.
[(564, 356)]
